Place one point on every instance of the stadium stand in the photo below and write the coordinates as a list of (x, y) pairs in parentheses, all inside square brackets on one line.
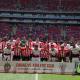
[(46, 26), (48, 5)]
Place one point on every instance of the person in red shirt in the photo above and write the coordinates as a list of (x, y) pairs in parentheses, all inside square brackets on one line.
[(30, 43), (17, 52), (62, 54), (25, 51), (28, 54), (18, 40), (45, 56)]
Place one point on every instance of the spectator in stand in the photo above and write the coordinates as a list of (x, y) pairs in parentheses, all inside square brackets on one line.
[(45, 55)]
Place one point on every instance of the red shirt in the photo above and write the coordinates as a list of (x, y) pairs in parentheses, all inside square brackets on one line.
[(62, 52), (25, 51), (44, 53), (16, 50)]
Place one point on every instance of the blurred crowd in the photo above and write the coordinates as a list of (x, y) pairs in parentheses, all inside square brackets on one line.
[(48, 5)]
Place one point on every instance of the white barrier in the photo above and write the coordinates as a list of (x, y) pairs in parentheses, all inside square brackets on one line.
[(36, 67)]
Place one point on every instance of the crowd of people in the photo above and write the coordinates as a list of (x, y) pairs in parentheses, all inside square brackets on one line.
[(46, 50), (48, 5)]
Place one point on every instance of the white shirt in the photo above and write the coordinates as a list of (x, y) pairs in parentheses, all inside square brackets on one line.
[(77, 46), (36, 52), (52, 44), (53, 52), (75, 51), (7, 51)]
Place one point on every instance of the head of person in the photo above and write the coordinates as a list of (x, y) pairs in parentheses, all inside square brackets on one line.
[(65, 43), (37, 39), (36, 47), (52, 41), (8, 45), (62, 47), (52, 47), (24, 38)]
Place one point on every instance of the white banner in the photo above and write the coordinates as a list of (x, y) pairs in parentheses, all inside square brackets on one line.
[(37, 67)]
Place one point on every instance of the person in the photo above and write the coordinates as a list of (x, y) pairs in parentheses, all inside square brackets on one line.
[(37, 42), (36, 53), (28, 53), (16, 51), (67, 49), (52, 43), (4, 42), (23, 50), (45, 55), (66, 45), (7, 52), (62, 54), (30, 43), (53, 53), (74, 52), (1, 49), (11, 41)]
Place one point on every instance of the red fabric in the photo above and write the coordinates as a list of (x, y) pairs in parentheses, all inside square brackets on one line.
[(41, 45), (30, 43), (26, 51), (3, 44), (65, 51), (44, 53), (16, 50)]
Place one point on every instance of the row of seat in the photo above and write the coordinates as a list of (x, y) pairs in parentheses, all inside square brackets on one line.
[(41, 31), (50, 5)]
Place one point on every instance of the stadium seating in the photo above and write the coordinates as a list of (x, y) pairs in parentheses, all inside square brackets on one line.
[(50, 5), (73, 31), (4, 29), (8, 4), (71, 5), (42, 31)]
